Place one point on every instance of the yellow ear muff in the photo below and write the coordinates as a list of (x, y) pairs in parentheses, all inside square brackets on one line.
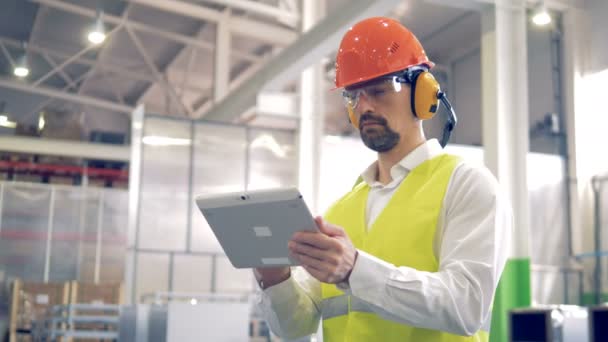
[(352, 117), (424, 95)]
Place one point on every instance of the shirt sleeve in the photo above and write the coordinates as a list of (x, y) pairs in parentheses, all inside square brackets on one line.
[(292, 307), (473, 249)]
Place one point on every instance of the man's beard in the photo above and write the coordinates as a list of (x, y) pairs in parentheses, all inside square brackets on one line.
[(380, 138)]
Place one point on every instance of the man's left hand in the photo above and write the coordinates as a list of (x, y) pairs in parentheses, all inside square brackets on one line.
[(328, 255)]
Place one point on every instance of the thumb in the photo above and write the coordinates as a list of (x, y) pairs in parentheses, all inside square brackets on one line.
[(328, 228)]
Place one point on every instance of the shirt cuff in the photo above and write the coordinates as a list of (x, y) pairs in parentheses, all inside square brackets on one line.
[(369, 275)]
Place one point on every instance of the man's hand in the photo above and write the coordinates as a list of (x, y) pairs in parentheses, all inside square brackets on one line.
[(328, 255)]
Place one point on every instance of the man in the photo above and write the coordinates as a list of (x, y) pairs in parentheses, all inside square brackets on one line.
[(415, 251)]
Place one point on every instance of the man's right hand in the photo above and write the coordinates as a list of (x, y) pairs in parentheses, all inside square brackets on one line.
[(272, 275)]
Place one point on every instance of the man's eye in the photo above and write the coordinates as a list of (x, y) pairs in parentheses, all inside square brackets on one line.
[(377, 92)]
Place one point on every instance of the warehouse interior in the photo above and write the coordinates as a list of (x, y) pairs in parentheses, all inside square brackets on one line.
[(116, 114)]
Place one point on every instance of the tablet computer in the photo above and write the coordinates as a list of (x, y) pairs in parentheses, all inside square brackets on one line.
[(253, 227)]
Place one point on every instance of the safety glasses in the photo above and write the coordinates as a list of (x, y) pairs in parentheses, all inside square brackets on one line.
[(375, 91)]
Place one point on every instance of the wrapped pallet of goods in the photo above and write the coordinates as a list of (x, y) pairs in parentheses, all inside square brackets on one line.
[(31, 301), (96, 295)]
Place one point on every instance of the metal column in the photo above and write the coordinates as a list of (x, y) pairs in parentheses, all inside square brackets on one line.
[(506, 141), (311, 114), (135, 170)]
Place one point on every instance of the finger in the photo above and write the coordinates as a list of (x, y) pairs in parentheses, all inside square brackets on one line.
[(319, 221), (330, 229), (308, 261), (308, 250), (317, 240), (318, 274)]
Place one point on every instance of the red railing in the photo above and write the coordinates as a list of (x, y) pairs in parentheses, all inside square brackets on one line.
[(17, 166)]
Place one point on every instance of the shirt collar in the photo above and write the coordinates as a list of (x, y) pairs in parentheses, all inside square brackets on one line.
[(428, 150)]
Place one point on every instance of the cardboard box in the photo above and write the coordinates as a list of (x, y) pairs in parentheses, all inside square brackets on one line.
[(31, 301), (89, 293)]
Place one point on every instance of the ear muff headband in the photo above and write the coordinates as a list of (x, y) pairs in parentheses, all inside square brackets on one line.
[(424, 90)]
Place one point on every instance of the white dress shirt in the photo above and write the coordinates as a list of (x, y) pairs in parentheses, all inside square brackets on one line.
[(472, 244)]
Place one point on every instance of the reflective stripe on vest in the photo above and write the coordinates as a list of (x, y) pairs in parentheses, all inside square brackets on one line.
[(338, 306)]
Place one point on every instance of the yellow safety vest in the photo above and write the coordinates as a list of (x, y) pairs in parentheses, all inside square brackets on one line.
[(402, 235)]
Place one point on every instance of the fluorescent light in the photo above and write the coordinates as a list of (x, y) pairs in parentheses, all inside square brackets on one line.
[(96, 37), (154, 140), (541, 17), (41, 122), (4, 122), (21, 71)]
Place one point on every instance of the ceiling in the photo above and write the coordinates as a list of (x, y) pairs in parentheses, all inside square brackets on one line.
[(162, 53)]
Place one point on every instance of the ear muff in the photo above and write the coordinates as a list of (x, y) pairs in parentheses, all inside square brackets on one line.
[(352, 118), (424, 89)]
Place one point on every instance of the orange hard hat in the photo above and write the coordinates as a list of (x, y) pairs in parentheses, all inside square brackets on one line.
[(375, 47)]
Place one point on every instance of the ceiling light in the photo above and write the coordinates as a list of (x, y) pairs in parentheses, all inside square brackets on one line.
[(98, 33), (96, 37), (21, 70), (541, 16), (41, 121), (4, 122)]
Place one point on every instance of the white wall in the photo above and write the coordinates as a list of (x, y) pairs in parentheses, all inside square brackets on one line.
[(466, 91), (598, 10), (466, 98)]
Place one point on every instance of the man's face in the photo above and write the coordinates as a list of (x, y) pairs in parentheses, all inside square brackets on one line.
[(376, 134), (382, 109)]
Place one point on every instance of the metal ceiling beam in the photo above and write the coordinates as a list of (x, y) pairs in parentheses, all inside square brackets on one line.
[(102, 55), (68, 80), (71, 59), (45, 91), (82, 60), (558, 5), (7, 54), (160, 78), (259, 8), (40, 13), (107, 18), (247, 27), (310, 48), (71, 84), (123, 72), (180, 55), (204, 102), (221, 71)]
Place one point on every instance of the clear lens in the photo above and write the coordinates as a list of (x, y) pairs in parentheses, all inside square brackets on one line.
[(374, 91), (351, 97)]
